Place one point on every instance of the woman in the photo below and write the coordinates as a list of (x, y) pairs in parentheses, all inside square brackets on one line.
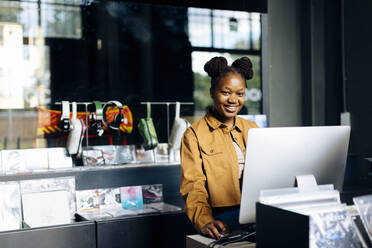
[(212, 151)]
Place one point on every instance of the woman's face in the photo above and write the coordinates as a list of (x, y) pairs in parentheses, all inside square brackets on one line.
[(228, 96)]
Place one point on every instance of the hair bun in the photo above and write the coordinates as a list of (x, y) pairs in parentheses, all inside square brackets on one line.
[(215, 66), (244, 66)]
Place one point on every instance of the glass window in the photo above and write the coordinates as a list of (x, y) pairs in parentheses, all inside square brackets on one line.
[(23, 30), (25, 63), (224, 29), (199, 23), (54, 50), (61, 21)]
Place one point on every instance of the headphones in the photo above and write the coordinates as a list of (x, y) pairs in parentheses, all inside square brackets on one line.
[(64, 124), (75, 137), (97, 118), (118, 118)]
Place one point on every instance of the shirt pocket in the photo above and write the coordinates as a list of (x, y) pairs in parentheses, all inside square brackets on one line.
[(214, 160), (212, 149)]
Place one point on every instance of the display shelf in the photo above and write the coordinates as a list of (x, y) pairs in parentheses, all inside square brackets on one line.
[(96, 177), (74, 235), (130, 230), (152, 230), (74, 169)]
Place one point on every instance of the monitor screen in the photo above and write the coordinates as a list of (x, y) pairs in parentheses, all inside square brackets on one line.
[(275, 156)]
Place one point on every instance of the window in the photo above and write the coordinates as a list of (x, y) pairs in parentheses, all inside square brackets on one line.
[(231, 34), (24, 26), (24, 62)]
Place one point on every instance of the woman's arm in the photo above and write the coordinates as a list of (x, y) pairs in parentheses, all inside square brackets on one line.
[(193, 188), (193, 182)]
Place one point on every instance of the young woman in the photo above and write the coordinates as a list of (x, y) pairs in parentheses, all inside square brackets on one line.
[(213, 151)]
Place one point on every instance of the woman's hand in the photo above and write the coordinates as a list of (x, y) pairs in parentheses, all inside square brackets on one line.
[(214, 228)]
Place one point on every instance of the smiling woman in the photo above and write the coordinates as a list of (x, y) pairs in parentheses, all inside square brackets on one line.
[(228, 86), (228, 97), (212, 151)]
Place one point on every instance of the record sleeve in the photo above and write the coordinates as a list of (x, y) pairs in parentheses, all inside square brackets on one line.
[(36, 159), (87, 200), (46, 208), (58, 157), (92, 215), (144, 156), (108, 153), (109, 198), (161, 152), (52, 184), (117, 212), (164, 207), (363, 205), (93, 158), (10, 206), (331, 226), (125, 154), (152, 193), (145, 210), (13, 161), (293, 200), (131, 197)]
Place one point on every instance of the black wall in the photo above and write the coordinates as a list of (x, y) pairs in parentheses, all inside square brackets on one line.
[(144, 52), (358, 74), (336, 70)]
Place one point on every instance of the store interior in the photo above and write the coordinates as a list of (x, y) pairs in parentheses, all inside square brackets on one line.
[(104, 68)]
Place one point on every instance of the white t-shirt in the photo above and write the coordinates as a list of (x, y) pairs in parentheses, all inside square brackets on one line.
[(241, 158)]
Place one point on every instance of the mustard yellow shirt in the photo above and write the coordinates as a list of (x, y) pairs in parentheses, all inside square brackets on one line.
[(209, 166)]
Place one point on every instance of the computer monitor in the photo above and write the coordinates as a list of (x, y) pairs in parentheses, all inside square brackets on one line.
[(275, 156)]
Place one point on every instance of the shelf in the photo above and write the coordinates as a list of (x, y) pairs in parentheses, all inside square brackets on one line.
[(117, 232), (47, 173), (75, 235), (167, 174)]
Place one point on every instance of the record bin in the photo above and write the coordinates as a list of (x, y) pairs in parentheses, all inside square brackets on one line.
[(277, 227)]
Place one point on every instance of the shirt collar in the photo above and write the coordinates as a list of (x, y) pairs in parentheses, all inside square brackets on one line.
[(214, 123)]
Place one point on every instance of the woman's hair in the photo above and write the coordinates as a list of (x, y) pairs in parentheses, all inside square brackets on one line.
[(217, 67)]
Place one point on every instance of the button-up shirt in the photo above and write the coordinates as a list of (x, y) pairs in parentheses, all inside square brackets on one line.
[(209, 166)]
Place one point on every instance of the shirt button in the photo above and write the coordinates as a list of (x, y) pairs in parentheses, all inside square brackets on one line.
[(212, 150), (236, 138)]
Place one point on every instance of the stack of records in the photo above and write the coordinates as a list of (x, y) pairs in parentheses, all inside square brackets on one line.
[(48, 202), (363, 204), (36, 159), (131, 197), (152, 193), (13, 161), (87, 200), (331, 226), (10, 206), (58, 158), (144, 156), (30, 160), (330, 222), (109, 155), (106, 203), (161, 153), (93, 157)]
